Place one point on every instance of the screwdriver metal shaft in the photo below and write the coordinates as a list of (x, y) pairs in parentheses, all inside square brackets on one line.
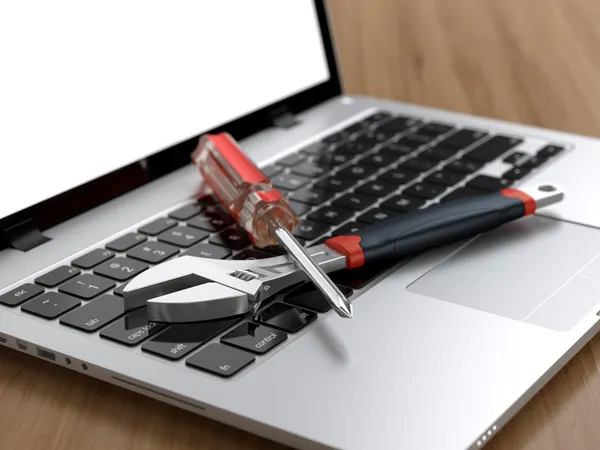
[(332, 294)]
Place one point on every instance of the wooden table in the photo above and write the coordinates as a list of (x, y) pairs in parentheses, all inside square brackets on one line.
[(531, 61)]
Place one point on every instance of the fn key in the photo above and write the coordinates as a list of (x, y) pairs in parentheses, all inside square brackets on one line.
[(220, 360)]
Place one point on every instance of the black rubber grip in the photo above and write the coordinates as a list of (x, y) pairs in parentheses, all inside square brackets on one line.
[(446, 223)]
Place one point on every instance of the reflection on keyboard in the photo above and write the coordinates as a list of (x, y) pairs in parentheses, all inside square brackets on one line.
[(379, 167)]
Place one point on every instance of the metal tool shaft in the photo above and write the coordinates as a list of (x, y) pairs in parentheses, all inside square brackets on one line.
[(301, 257)]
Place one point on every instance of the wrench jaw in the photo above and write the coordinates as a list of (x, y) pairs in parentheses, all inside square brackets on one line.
[(209, 301)]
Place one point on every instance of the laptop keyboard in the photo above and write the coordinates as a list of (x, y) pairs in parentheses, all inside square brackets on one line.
[(379, 167)]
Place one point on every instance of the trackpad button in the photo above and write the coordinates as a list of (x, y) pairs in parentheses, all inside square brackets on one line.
[(538, 270)]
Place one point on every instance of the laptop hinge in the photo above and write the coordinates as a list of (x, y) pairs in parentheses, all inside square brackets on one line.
[(283, 118), (24, 236)]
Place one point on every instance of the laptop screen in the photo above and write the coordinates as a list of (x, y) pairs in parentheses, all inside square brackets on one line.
[(87, 88)]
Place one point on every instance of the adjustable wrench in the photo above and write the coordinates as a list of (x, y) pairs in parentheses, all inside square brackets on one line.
[(193, 289)]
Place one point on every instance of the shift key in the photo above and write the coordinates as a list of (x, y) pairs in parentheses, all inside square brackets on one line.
[(95, 314), (132, 329), (181, 339)]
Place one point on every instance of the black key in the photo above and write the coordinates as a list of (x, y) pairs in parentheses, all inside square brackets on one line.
[(209, 200), (312, 195), (534, 162), (349, 229), (87, 286), (93, 258), (252, 254), (335, 137), (57, 276), (124, 243), (351, 148), (379, 160), (380, 116), (204, 250), (461, 193), (515, 158), (235, 238), (132, 329), (396, 150), (359, 127), (187, 212), (462, 139), (549, 151), (271, 170), (437, 154), (356, 202), (328, 161), (158, 226), (308, 169), (445, 178), (331, 214), (309, 230), (308, 296), (220, 360), (181, 339), (418, 165), (377, 189), (398, 176), (289, 182), (213, 219), (414, 141), (119, 291), (291, 159), (403, 203), (397, 125), (51, 305), (516, 173), (425, 190), (464, 166), (182, 236), (358, 278), (253, 337), (357, 171), (299, 208), (487, 183), (376, 215), (20, 295), (121, 269), (493, 148), (153, 252), (95, 314), (334, 183), (435, 129), (312, 149), (285, 317)]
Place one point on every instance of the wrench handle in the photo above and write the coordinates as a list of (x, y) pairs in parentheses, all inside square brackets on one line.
[(412, 233)]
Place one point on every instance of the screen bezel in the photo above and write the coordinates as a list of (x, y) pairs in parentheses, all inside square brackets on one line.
[(60, 208)]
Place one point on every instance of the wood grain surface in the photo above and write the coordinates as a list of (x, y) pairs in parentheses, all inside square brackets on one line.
[(531, 61)]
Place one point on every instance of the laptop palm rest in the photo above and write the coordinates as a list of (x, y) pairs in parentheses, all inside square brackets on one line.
[(538, 270)]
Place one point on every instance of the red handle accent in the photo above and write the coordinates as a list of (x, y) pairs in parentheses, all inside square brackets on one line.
[(349, 246), (529, 202), (236, 159)]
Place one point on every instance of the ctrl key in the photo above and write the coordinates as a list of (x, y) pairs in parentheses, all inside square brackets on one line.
[(221, 360)]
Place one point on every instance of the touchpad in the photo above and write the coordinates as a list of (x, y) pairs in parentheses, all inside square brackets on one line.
[(538, 270)]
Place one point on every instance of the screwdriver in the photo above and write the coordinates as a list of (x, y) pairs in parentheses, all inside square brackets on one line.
[(258, 207)]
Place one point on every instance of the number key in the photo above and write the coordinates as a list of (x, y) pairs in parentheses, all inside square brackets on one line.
[(120, 269), (152, 252), (126, 242), (182, 236)]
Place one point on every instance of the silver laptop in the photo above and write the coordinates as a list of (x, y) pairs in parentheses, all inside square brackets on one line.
[(100, 112)]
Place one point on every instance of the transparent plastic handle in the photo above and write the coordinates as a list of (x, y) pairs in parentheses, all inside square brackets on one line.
[(243, 189)]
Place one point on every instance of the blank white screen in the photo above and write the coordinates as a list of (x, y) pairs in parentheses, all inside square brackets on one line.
[(88, 88)]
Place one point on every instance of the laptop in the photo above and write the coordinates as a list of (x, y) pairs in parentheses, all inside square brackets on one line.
[(101, 110)]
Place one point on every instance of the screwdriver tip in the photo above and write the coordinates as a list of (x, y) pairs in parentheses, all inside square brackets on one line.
[(345, 309)]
